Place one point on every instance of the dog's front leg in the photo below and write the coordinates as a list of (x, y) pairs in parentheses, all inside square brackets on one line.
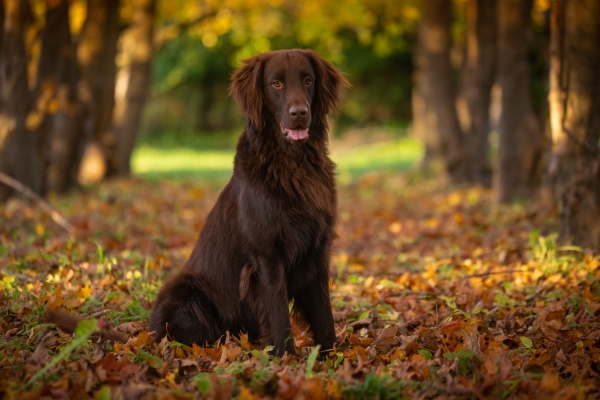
[(314, 306), (275, 323), (312, 302)]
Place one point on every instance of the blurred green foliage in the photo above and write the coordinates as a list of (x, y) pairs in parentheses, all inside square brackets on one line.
[(200, 42)]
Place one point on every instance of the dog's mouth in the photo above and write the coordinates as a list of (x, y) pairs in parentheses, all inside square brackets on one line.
[(294, 134)]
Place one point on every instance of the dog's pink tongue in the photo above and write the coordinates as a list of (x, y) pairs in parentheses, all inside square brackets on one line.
[(298, 134)]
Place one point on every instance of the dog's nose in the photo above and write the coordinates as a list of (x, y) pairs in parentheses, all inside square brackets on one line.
[(298, 111)]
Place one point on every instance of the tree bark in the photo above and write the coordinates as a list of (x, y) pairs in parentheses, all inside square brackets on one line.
[(96, 55), (56, 99), (1, 23), (424, 122), (137, 47), (439, 88), (519, 132), (575, 118), (479, 75), (19, 150)]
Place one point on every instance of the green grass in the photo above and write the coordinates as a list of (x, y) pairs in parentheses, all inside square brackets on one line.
[(397, 155), (182, 163), (202, 161)]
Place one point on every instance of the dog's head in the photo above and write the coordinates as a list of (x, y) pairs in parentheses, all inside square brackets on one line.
[(297, 87)]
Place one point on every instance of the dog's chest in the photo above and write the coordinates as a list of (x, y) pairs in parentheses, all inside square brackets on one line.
[(291, 215)]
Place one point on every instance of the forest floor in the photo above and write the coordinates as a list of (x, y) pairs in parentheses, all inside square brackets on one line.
[(436, 293)]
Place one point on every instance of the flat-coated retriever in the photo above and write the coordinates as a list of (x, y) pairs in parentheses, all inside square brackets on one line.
[(267, 241)]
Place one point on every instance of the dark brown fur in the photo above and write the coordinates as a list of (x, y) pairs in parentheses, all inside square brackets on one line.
[(267, 240)]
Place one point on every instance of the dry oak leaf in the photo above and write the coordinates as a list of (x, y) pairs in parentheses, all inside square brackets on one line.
[(131, 328), (229, 354), (56, 299), (540, 358), (311, 389), (139, 341), (41, 356), (410, 344), (112, 371), (245, 343), (550, 383), (356, 340), (386, 338), (287, 386)]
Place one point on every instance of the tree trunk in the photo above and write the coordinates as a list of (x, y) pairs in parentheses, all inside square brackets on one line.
[(1, 23), (19, 151), (96, 54), (56, 99), (424, 122), (479, 74), (575, 118), (137, 47), (520, 134), (439, 88)]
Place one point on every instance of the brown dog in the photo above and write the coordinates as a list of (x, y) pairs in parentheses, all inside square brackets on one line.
[(268, 239)]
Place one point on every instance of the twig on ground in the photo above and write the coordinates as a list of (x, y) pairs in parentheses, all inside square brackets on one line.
[(579, 314), (43, 204), (412, 321)]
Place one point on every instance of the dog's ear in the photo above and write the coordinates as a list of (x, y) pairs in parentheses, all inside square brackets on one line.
[(330, 85), (247, 91)]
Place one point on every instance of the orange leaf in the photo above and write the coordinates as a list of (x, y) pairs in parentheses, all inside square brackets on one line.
[(550, 383), (450, 326)]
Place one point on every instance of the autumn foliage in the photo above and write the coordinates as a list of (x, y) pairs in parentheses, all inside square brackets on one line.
[(436, 293)]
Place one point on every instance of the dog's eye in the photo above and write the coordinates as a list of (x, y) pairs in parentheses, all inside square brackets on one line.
[(276, 84), (307, 81)]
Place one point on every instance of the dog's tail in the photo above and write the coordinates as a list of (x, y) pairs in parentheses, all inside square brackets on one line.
[(184, 312), (68, 322)]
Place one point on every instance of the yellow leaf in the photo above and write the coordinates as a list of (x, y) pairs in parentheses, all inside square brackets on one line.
[(118, 347), (40, 229), (244, 342), (84, 292), (180, 352), (398, 354), (356, 267), (247, 394), (139, 341), (170, 377)]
